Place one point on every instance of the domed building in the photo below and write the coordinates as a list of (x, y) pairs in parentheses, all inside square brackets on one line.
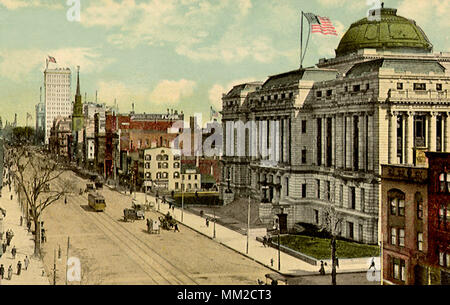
[(315, 138)]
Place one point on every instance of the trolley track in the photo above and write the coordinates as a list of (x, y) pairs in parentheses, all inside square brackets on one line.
[(127, 240)]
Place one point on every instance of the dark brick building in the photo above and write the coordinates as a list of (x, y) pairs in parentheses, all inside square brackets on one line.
[(415, 222)]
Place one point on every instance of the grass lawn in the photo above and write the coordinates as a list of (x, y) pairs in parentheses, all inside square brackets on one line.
[(320, 248)]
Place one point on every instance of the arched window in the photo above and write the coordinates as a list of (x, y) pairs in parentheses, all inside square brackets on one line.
[(176, 175), (396, 201), (419, 204)]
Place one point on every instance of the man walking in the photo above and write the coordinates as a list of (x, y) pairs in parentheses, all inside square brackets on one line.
[(14, 252), (21, 220), (10, 272), (19, 267), (26, 262), (2, 271)]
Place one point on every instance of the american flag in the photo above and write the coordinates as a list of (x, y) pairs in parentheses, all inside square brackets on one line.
[(320, 24), (214, 113), (51, 59)]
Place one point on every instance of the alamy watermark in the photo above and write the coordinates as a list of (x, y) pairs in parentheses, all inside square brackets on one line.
[(74, 11)]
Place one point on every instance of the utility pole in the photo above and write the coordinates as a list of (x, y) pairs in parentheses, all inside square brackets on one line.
[(68, 247), (279, 254), (214, 235), (54, 267), (301, 41), (248, 224), (182, 186)]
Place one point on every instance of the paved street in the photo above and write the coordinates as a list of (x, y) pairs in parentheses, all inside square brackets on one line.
[(114, 252)]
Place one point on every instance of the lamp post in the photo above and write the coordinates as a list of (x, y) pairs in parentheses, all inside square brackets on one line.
[(248, 223), (279, 254), (214, 232)]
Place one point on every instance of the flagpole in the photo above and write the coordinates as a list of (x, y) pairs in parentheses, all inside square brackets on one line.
[(301, 40)]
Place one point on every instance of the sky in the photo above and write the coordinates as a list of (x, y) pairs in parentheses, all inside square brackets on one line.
[(177, 54)]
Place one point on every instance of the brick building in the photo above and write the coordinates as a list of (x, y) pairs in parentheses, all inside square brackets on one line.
[(416, 222)]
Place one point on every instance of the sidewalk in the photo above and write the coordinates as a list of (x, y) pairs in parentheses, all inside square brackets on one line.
[(23, 241), (256, 251)]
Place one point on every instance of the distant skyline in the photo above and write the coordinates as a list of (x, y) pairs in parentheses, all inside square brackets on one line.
[(177, 54)]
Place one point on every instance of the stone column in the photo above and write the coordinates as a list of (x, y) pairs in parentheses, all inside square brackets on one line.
[(446, 133), (409, 137), (370, 153), (432, 131), (333, 141), (362, 140), (348, 142), (392, 138), (324, 141)]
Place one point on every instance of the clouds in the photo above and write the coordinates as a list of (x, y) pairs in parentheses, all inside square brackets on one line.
[(16, 64), (18, 4), (164, 93), (171, 92), (217, 90), (201, 30)]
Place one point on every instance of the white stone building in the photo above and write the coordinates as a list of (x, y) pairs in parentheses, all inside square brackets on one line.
[(57, 86), (382, 100)]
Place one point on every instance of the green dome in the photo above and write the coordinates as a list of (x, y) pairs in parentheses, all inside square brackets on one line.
[(390, 33)]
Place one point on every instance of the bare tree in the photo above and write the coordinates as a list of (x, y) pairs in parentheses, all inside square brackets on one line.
[(33, 176), (332, 225)]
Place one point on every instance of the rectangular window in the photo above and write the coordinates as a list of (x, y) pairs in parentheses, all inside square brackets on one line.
[(401, 237), (401, 207), (303, 156), (393, 236), (341, 195), (303, 126), (352, 198), (328, 190), (318, 189), (356, 88), (420, 86), (329, 92), (350, 230), (420, 241), (438, 87), (316, 216), (304, 190), (367, 86), (399, 86), (319, 93)]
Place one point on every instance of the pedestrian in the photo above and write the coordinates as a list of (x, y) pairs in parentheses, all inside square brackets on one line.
[(2, 271), (1, 251), (176, 228), (264, 241), (372, 264), (65, 200), (14, 252), (322, 268), (4, 246), (26, 262), (337, 262), (21, 220), (11, 197), (173, 208), (29, 225), (271, 262), (19, 267), (10, 272), (207, 222)]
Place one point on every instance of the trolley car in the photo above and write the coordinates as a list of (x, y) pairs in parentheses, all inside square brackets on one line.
[(96, 202)]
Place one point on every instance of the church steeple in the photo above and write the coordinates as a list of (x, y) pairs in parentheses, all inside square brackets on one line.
[(78, 82), (77, 115)]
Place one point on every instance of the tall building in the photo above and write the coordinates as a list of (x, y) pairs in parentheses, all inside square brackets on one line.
[(57, 86), (316, 137)]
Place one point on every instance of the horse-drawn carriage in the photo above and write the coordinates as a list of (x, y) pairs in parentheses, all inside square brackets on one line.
[(153, 226), (136, 212), (167, 222)]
